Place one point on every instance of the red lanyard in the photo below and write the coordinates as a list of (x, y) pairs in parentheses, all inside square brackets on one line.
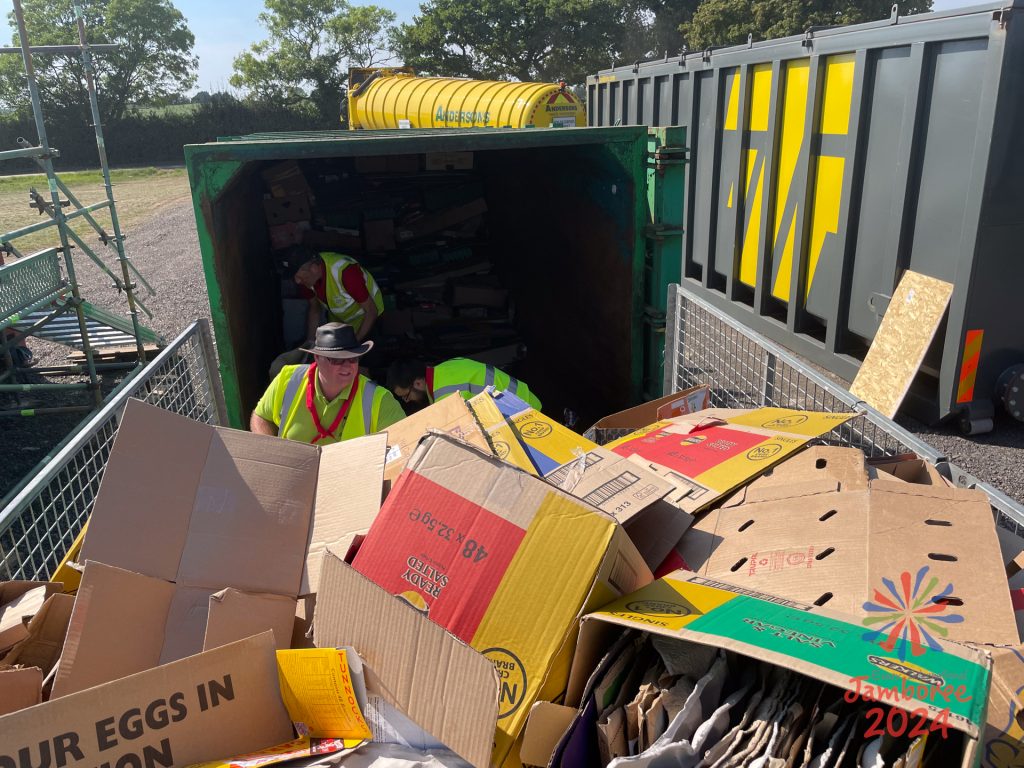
[(430, 384), (311, 393)]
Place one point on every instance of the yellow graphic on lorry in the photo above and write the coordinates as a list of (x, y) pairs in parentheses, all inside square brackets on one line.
[(317, 691), (827, 169)]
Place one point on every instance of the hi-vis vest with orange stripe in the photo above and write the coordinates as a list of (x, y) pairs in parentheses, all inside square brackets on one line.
[(468, 378), (342, 307), (362, 418)]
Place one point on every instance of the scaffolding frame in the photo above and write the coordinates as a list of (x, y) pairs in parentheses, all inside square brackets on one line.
[(33, 292)]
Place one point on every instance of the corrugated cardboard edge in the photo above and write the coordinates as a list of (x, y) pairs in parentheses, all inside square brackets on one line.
[(20, 688), (442, 684)]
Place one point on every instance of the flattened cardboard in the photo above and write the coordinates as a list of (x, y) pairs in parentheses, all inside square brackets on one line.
[(622, 423), (629, 493), (234, 614), (710, 453), (824, 529), (815, 642), (17, 612), (502, 560), (20, 688), (348, 496), (450, 415), (901, 341), (443, 685), (239, 711), (46, 632)]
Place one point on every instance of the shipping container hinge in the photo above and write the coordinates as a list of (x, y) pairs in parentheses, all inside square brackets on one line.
[(659, 231), (655, 318), (1002, 17), (665, 156)]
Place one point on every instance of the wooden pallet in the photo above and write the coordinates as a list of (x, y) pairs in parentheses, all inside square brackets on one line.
[(119, 354)]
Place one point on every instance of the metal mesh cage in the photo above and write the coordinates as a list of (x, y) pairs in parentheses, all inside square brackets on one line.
[(746, 370), (43, 519)]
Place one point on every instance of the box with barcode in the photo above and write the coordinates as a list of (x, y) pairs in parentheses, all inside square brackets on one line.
[(503, 561)]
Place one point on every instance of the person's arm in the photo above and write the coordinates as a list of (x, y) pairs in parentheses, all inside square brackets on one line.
[(369, 318), (312, 320), (260, 426)]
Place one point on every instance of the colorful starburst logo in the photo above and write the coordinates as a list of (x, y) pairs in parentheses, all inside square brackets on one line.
[(913, 611)]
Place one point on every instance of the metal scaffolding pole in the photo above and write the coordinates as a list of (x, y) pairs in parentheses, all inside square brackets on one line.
[(37, 112), (101, 147)]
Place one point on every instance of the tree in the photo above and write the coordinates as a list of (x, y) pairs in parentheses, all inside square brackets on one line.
[(309, 48), (152, 65), (728, 22)]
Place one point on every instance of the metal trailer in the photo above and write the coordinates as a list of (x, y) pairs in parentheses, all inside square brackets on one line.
[(824, 165)]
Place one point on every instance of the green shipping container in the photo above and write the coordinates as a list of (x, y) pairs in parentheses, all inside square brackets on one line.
[(576, 233)]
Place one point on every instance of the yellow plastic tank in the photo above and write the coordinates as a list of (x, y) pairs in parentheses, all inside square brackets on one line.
[(397, 98)]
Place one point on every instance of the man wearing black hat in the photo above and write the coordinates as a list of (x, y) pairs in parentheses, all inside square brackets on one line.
[(328, 400)]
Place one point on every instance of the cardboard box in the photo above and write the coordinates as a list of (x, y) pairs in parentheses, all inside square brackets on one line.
[(331, 241), (709, 453), (286, 179), (450, 415), (225, 509), (500, 436), (19, 602), (285, 210), (1003, 740), (449, 161), (435, 222), (387, 164), (504, 561), (548, 444), (291, 233), (629, 493), (20, 688), (669, 407), (224, 701), (379, 235), (813, 642), (824, 528)]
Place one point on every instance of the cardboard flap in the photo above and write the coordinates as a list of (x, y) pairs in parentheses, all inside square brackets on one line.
[(758, 493), (235, 615), (446, 687), (15, 615), (348, 496), (667, 407), (46, 635), (20, 689), (216, 704), (117, 628), (547, 723), (164, 454)]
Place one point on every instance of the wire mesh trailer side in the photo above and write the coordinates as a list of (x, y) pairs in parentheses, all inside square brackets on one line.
[(42, 520), (704, 345)]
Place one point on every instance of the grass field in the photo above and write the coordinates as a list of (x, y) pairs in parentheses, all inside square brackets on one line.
[(138, 192)]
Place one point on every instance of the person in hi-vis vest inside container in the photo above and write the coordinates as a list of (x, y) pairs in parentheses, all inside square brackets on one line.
[(335, 285), (416, 383), (329, 400)]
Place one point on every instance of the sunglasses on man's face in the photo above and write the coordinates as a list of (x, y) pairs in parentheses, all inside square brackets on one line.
[(340, 362)]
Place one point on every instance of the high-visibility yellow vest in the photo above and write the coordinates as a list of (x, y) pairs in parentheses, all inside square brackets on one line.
[(342, 307), (293, 417), (468, 378)]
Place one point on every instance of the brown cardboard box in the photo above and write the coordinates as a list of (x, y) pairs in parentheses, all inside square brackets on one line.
[(20, 688), (283, 210), (225, 509), (19, 602), (285, 179), (824, 528), (450, 415), (622, 423), (502, 560), (222, 702), (809, 641), (1003, 740), (290, 233)]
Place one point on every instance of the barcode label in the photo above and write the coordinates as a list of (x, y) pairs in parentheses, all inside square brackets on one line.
[(696, 489), (616, 485)]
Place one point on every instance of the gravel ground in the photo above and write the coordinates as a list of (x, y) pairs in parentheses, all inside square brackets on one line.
[(166, 250)]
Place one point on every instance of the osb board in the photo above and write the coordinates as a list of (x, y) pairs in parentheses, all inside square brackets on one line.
[(907, 329)]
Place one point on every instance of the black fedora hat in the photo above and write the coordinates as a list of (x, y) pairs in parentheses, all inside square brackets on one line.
[(339, 341)]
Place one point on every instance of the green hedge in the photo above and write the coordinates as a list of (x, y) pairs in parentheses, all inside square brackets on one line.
[(153, 138)]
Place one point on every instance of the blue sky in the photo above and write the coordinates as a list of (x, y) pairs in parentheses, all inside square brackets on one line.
[(225, 28)]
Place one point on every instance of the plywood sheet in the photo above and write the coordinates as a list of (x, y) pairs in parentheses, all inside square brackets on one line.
[(907, 329)]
